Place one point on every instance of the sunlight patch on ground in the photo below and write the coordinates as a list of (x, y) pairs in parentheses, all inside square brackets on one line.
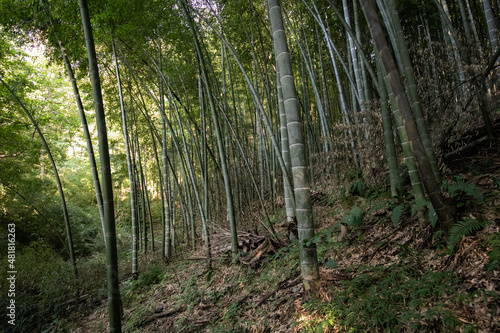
[(308, 321)]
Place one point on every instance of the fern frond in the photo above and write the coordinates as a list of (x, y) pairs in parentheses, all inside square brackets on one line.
[(358, 187), (433, 218), (419, 204), (467, 188), (354, 218), (466, 226), (377, 206), (396, 214), (494, 260)]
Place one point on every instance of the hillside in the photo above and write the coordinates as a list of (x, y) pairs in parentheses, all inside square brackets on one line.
[(381, 278)]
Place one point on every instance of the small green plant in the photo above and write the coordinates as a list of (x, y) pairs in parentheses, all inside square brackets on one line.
[(191, 294), (354, 218), (466, 226), (231, 312), (439, 241), (137, 317), (494, 260), (496, 181), (185, 324), (419, 204), (358, 187), (324, 320), (324, 235), (153, 274), (227, 320), (464, 188), (389, 299), (397, 213), (286, 254), (332, 263), (379, 204)]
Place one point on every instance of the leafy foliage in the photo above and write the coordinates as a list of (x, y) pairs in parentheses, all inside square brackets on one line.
[(332, 263), (46, 288), (391, 299), (494, 260), (421, 204), (466, 188), (358, 187), (418, 205), (397, 213), (146, 31), (466, 226), (227, 320), (354, 218), (191, 292), (323, 236), (496, 181), (286, 256), (25, 171)]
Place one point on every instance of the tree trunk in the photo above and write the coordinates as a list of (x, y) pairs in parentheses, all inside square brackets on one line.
[(301, 182), (88, 140), (492, 28), (443, 211), (130, 168), (413, 95), (114, 302)]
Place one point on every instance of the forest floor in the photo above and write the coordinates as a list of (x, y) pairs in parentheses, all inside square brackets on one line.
[(392, 273)]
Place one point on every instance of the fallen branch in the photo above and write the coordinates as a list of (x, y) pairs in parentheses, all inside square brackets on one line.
[(255, 255), (466, 148), (479, 158)]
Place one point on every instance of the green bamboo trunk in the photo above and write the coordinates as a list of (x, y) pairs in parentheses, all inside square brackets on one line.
[(133, 198), (114, 302), (432, 187), (88, 140), (491, 24), (301, 182), (416, 105)]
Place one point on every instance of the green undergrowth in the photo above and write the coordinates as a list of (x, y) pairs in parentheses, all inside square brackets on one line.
[(397, 298), (393, 298), (230, 297), (400, 295), (494, 254), (47, 291), (403, 294), (131, 289)]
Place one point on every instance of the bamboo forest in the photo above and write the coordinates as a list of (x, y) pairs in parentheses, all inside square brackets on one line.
[(250, 166)]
